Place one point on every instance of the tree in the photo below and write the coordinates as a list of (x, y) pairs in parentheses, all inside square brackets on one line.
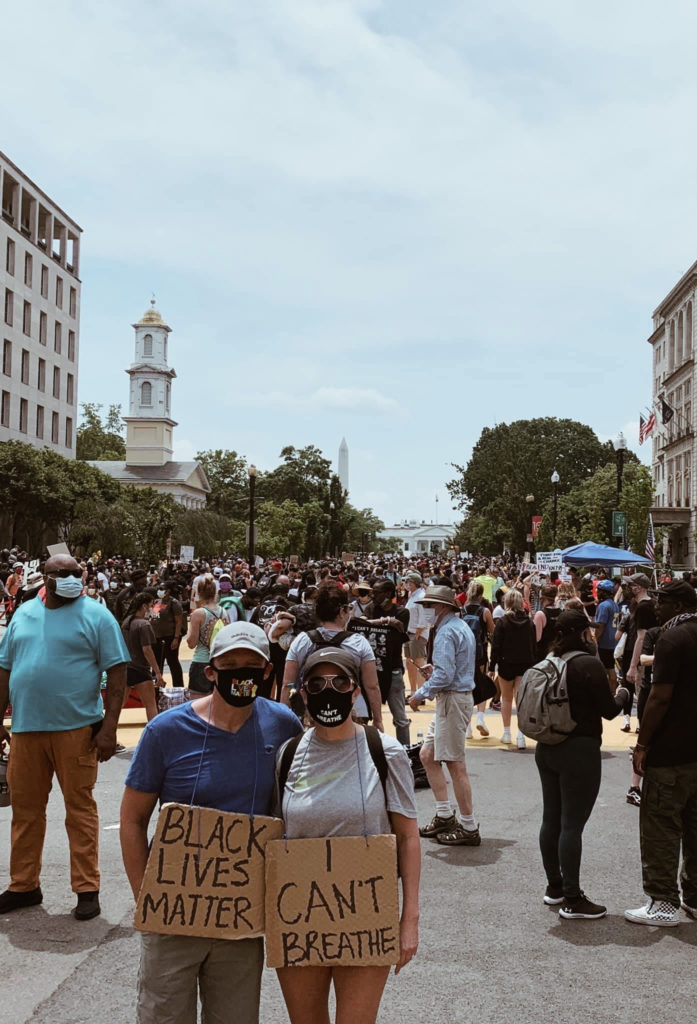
[(511, 461), (281, 528), (227, 475), (362, 528), (302, 476), (97, 439)]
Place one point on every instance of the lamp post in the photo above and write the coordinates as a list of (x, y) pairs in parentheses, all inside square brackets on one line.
[(555, 483), (620, 449), (252, 471), (332, 531), (530, 498)]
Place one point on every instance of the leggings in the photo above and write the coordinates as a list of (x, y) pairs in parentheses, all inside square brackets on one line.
[(570, 777)]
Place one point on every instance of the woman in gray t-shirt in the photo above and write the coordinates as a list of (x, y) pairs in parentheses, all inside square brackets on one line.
[(333, 789)]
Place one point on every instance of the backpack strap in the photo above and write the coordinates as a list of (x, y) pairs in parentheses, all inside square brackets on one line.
[(335, 641), (377, 752)]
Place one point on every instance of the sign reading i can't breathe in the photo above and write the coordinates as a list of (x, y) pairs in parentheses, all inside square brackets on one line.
[(332, 902), (205, 874)]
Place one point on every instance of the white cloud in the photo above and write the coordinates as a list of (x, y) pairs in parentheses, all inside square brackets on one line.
[(367, 400)]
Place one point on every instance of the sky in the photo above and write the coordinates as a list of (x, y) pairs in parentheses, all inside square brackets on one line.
[(398, 221)]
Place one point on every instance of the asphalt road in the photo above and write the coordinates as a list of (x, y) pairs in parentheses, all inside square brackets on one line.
[(490, 950)]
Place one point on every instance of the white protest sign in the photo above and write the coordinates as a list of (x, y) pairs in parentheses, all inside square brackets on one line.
[(205, 874), (549, 561), (332, 902), (58, 549), (186, 553)]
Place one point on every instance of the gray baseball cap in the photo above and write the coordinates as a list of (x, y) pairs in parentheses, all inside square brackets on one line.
[(240, 636)]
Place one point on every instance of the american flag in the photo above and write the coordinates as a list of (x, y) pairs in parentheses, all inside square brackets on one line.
[(650, 551), (646, 426)]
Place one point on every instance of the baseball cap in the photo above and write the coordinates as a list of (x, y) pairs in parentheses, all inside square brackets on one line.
[(679, 591), (640, 579), (332, 656), (606, 585), (572, 621), (240, 636), (414, 577)]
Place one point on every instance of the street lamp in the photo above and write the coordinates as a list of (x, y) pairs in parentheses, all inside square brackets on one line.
[(555, 483), (620, 449), (252, 471), (530, 498), (332, 546)]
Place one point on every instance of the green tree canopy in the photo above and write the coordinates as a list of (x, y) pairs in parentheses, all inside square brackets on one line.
[(100, 439), (227, 475)]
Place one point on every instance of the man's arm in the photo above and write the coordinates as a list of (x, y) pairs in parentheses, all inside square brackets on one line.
[(136, 811), (290, 677), (4, 701), (633, 670), (655, 709), (539, 620), (369, 678), (105, 740)]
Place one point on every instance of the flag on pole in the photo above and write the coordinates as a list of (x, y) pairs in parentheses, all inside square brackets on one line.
[(667, 412), (650, 551), (646, 426)]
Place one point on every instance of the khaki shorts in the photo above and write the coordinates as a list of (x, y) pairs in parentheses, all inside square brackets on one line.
[(446, 733), (416, 648)]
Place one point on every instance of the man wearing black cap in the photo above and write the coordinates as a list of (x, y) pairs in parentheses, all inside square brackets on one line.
[(666, 755), (641, 618)]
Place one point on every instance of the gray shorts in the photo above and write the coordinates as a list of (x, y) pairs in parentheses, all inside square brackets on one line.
[(446, 733), (416, 648), (174, 968)]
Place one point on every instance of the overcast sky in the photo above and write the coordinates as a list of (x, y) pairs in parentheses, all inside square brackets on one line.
[(396, 221)]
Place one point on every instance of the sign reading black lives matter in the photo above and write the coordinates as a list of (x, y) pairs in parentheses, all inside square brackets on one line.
[(377, 637), (205, 874), (332, 902)]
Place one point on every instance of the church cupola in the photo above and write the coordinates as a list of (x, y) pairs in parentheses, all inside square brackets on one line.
[(149, 426)]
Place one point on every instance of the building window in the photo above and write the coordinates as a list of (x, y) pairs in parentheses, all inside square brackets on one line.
[(56, 382), (28, 269), (167, 399), (146, 393), (26, 318), (73, 302), (57, 338), (7, 358), (23, 415), (54, 428), (9, 307), (41, 375), (59, 292), (70, 390), (147, 345), (44, 281), (5, 409), (25, 366), (43, 328), (40, 421), (68, 432), (71, 346), (10, 257)]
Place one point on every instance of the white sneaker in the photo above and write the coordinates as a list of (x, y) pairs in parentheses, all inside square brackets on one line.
[(481, 726), (655, 912), (626, 723), (506, 738), (520, 742)]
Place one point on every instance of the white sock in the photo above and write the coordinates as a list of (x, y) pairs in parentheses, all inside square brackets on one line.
[(480, 717), (444, 810), (467, 821)]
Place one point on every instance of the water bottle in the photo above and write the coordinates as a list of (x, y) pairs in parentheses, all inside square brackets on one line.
[(4, 788)]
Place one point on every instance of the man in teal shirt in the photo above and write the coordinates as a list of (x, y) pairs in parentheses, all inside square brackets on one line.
[(51, 663)]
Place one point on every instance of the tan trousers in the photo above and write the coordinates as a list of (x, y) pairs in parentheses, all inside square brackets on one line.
[(34, 759)]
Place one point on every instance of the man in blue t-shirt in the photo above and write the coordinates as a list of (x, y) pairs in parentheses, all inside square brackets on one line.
[(217, 752), (51, 663), (604, 625)]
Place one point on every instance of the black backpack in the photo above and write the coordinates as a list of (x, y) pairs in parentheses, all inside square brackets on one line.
[(377, 752)]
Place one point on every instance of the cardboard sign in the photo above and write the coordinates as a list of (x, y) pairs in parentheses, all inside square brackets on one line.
[(348, 557), (58, 549), (294, 560), (377, 637), (549, 561), (332, 902), (205, 874), (186, 553)]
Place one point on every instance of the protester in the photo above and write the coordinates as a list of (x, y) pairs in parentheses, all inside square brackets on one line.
[(201, 625), (140, 640), (59, 727), (217, 751), (397, 620), (415, 650), (332, 788), (513, 651), (169, 627)]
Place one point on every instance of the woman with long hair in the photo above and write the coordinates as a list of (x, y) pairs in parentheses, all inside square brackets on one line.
[(570, 770), (201, 626), (140, 640), (513, 651)]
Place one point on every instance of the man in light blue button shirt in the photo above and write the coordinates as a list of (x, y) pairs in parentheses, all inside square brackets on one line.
[(449, 678)]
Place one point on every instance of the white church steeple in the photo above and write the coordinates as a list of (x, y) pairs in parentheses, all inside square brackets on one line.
[(149, 426)]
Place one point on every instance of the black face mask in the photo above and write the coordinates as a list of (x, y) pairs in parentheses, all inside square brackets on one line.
[(330, 708), (239, 686)]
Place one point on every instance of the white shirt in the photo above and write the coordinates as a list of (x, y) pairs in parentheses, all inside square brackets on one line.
[(416, 613)]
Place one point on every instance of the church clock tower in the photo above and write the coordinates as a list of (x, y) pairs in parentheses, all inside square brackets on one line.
[(149, 425)]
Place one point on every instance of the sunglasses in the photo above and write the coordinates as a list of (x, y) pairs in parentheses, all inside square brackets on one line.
[(339, 683), (64, 574)]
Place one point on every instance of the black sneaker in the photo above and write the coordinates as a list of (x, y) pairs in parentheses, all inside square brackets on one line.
[(580, 908), (554, 895), (437, 826), (87, 906), (16, 900)]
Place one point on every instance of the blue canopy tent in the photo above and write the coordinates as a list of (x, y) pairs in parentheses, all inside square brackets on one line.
[(590, 553)]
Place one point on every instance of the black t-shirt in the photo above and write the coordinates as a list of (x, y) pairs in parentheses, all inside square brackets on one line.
[(164, 616), (675, 662), (138, 634), (643, 617), (590, 699)]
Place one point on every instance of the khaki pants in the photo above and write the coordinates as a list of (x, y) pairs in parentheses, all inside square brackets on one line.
[(34, 759), (173, 967)]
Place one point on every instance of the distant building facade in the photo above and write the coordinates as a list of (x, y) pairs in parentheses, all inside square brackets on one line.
[(420, 538), (40, 296), (149, 424), (673, 444)]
